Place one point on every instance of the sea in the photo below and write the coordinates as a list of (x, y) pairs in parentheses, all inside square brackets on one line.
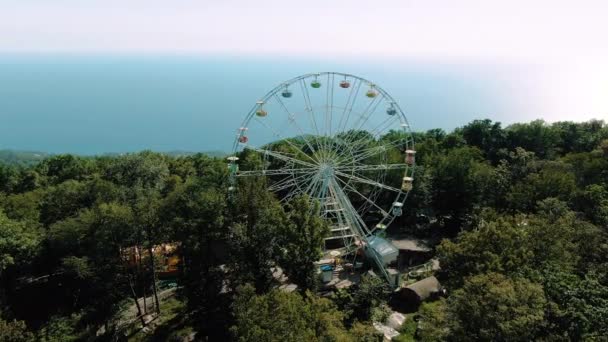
[(94, 104)]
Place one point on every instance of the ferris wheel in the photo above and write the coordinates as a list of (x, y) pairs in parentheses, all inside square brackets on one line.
[(338, 138)]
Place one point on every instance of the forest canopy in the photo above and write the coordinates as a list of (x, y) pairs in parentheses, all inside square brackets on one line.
[(519, 213)]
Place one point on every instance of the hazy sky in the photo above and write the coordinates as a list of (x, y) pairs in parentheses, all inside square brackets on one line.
[(538, 30)]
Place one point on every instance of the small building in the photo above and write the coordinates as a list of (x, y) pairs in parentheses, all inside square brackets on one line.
[(382, 249), (422, 290), (412, 252), (167, 256)]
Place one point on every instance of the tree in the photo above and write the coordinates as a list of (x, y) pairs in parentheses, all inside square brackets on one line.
[(19, 243), (96, 240), (578, 137), (197, 216), (579, 307), (512, 245), (258, 220), (61, 329), (282, 316), (487, 136), (456, 187), (492, 247), (433, 322), (147, 223), (492, 307), (23, 206), (359, 302), (14, 331), (61, 168), (9, 178), (62, 201), (302, 242), (110, 234), (555, 179), (593, 201), (146, 169), (589, 167), (536, 136)]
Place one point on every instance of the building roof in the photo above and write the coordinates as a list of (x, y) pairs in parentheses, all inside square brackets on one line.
[(425, 287), (411, 245), (382, 246)]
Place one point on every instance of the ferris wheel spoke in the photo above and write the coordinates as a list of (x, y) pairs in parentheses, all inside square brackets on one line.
[(349, 110), (296, 184), (372, 203), (357, 222), (283, 184), (289, 182), (364, 116), (312, 188), (328, 104), (308, 105), (361, 179), (372, 151), (387, 123), (293, 120), (382, 167), (281, 156), (348, 100), (288, 141), (373, 106), (276, 172)]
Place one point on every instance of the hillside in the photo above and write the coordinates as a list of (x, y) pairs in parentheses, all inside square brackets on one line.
[(14, 157)]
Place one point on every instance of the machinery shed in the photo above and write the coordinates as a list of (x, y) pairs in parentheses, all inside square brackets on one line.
[(383, 249)]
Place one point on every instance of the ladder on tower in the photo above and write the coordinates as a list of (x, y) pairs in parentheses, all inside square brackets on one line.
[(340, 229)]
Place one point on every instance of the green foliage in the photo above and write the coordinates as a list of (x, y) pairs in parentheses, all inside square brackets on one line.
[(145, 169), (257, 240), (434, 321), (301, 241), (23, 206), (536, 136), (528, 205), (515, 245), (60, 329), (361, 332), (499, 246), (543, 249), (555, 179), (198, 223), (282, 316), (457, 185), (487, 136), (62, 201), (61, 168), (579, 307), (492, 307), (19, 242), (76, 267), (362, 301), (593, 201), (14, 331)]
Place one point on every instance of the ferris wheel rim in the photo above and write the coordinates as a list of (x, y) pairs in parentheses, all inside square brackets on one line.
[(291, 81)]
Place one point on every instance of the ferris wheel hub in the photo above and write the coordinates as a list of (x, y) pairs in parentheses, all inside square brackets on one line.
[(326, 170)]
